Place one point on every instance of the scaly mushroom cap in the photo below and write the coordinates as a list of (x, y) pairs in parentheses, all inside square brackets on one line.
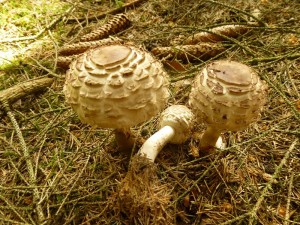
[(181, 119), (227, 95), (116, 86)]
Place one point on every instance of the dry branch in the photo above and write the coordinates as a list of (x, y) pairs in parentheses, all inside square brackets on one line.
[(188, 53), (19, 91)]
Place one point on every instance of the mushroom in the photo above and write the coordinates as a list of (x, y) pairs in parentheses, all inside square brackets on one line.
[(116, 86), (227, 96), (174, 127)]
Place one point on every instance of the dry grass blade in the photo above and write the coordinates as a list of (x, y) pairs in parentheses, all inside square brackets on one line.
[(268, 186)]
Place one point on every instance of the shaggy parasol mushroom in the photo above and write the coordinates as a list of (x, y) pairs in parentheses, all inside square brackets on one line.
[(174, 126), (116, 86), (228, 96)]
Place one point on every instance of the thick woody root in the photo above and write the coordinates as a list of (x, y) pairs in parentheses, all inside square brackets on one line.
[(215, 34), (142, 198), (22, 90), (116, 24), (188, 53)]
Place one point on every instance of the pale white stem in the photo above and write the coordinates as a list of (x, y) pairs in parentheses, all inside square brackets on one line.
[(220, 144), (156, 142), (212, 138), (209, 137)]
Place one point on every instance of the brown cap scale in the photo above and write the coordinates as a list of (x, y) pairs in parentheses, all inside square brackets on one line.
[(116, 86), (228, 96)]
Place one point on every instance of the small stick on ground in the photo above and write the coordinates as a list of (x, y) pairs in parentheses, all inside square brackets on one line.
[(8, 97), (32, 178), (252, 214), (288, 204), (271, 181), (19, 91)]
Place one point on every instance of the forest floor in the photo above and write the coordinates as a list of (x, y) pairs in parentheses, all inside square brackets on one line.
[(56, 170)]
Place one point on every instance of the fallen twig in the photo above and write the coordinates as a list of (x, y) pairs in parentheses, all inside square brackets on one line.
[(268, 186), (29, 165), (273, 58), (252, 213), (19, 91)]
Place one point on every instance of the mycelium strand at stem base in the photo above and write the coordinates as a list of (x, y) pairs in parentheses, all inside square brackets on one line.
[(141, 197)]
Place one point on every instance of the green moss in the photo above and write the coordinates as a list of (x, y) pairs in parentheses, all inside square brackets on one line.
[(23, 17)]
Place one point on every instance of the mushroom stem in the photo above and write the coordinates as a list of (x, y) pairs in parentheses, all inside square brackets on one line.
[(156, 142), (211, 138), (125, 139)]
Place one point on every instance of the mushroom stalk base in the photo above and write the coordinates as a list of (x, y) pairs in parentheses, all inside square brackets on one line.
[(210, 139), (156, 142), (125, 140)]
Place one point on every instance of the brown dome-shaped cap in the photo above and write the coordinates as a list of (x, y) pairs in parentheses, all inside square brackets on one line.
[(227, 95), (116, 86)]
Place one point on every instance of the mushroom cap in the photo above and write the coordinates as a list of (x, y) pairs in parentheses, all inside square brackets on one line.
[(116, 86), (181, 119), (227, 95)]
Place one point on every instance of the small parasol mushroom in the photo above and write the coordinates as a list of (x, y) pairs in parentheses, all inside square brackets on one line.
[(227, 96), (116, 86), (174, 126), (141, 195)]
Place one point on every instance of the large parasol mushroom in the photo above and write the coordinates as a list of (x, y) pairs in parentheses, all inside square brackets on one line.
[(227, 96), (116, 86)]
